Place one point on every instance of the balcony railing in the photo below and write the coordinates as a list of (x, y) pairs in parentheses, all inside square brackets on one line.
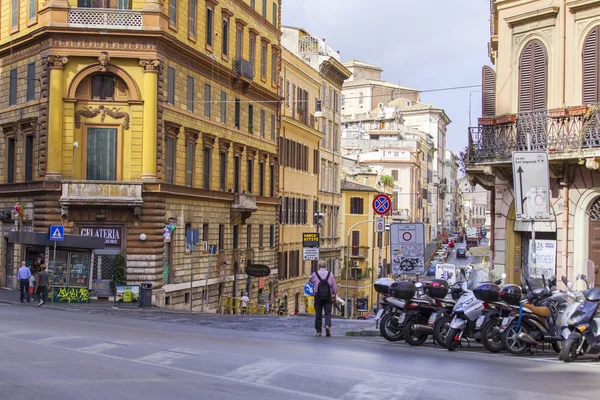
[(558, 131), (243, 68), (309, 44), (105, 19), (359, 252)]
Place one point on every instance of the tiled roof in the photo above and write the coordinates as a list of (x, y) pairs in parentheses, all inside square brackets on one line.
[(356, 187)]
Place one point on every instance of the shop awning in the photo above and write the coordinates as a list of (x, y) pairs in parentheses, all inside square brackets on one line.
[(41, 239)]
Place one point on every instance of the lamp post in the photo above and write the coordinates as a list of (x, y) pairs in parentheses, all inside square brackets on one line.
[(346, 308)]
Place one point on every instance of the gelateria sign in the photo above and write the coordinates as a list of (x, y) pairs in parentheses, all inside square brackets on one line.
[(110, 234)]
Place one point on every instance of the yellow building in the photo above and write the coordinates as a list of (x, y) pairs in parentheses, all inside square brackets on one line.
[(363, 246), (542, 95), (120, 117), (310, 76)]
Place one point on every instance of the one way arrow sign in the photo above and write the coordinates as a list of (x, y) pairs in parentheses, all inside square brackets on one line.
[(531, 181)]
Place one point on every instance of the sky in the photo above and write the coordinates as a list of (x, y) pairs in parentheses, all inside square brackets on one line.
[(423, 44)]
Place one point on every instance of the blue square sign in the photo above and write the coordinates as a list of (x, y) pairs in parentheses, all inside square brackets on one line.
[(56, 233)]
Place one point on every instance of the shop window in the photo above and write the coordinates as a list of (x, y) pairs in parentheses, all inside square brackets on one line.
[(101, 154)]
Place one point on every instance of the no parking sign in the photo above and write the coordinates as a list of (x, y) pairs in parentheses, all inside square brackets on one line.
[(407, 247)]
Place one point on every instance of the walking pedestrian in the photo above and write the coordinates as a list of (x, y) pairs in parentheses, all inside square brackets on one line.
[(32, 284), (325, 292), (42, 285), (245, 301), (23, 275)]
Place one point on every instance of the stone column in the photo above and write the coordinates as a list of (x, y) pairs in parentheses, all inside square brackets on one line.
[(55, 113), (149, 134)]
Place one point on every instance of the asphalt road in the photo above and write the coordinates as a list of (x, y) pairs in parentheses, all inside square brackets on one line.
[(53, 354)]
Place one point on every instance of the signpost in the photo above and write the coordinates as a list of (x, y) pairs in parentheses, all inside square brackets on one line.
[(407, 247), (310, 246), (309, 289), (382, 204), (192, 237), (380, 225), (212, 249), (56, 233)]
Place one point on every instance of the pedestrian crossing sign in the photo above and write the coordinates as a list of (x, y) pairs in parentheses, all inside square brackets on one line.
[(56, 233)]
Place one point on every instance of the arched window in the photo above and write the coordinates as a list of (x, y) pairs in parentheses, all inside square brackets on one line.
[(103, 86), (533, 77), (590, 64)]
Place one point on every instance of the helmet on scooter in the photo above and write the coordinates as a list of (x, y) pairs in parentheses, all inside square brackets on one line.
[(511, 294)]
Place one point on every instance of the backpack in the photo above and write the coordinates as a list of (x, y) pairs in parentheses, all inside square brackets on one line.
[(324, 290)]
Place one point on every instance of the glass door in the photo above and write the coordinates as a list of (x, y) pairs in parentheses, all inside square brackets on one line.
[(101, 154)]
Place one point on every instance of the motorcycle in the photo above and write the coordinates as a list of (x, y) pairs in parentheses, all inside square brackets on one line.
[(585, 326), (390, 311), (509, 299), (442, 323)]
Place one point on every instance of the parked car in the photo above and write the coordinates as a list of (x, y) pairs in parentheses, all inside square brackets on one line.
[(451, 243), (462, 252)]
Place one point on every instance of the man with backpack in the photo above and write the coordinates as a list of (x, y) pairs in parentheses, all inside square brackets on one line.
[(325, 292)]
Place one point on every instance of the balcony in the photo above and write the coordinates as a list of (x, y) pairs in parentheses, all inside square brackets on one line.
[(102, 18), (313, 45), (359, 252), (99, 194), (564, 133), (242, 208), (244, 71)]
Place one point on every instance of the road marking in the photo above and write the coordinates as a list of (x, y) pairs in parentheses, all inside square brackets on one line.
[(54, 339), (98, 348), (161, 358), (262, 371), (188, 350), (180, 320), (376, 387)]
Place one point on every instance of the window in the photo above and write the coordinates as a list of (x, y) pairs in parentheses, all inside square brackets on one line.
[(171, 86), (32, 12), (395, 175), (263, 67), (355, 243), (273, 127), (330, 98), (264, 9), (343, 101), (31, 81), (207, 163), (239, 42), (360, 99), (28, 158), (209, 27), (192, 15), (205, 233), (221, 236), (10, 167), (236, 236), (591, 67), (272, 180), (249, 236), (223, 170), (101, 154), (275, 15), (207, 100), (173, 12), (271, 236), (253, 4), (533, 76), (225, 36), (237, 113), (250, 118), (190, 94), (262, 123), (12, 90), (250, 175), (261, 242), (171, 147), (14, 9), (252, 50), (236, 174), (223, 107), (274, 68), (103, 87), (281, 87), (294, 101), (261, 179), (356, 205), (287, 93), (190, 162), (336, 103)]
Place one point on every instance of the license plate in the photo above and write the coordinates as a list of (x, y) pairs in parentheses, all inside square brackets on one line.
[(401, 318), (479, 321), (379, 313), (432, 318)]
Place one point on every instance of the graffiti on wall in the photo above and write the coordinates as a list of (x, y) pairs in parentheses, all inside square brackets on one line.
[(71, 295)]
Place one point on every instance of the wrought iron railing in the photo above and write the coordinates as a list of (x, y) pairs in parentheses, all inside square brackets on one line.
[(309, 44), (560, 131), (105, 18), (243, 68)]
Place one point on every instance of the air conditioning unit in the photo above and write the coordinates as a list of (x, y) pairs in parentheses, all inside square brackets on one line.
[(204, 246)]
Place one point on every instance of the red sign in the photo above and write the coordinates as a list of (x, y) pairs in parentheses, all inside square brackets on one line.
[(382, 204)]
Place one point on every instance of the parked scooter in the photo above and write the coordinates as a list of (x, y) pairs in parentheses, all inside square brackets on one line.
[(585, 326), (389, 311)]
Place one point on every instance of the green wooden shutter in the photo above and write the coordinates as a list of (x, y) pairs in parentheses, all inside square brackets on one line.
[(102, 154)]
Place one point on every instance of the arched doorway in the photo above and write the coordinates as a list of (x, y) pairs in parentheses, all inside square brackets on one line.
[(594, 240), (586, 242)]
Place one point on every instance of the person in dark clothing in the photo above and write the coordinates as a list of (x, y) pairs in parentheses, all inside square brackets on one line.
[(42, 285), (325, 293)]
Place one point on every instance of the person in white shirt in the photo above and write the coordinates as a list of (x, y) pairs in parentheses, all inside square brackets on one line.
[(23, 275), (245, 301)]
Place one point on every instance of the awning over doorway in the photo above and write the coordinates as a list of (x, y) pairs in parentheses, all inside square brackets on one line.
[(41, 239)]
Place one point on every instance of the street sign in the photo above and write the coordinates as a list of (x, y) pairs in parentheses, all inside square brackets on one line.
[(192, 236), (382, 204), (310, 253), (212, 249), (56, 233), (531, 181), (309, 289), (379, 225), (407, 247)]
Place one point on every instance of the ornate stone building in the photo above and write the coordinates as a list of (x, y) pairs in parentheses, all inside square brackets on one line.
[(120, 118)]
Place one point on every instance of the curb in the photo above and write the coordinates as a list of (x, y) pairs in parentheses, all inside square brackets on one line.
[(364, 333)]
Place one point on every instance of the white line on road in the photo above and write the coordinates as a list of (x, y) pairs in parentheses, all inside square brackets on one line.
[(161, 358), (54, 339), (99, 348), (188, 350), (262, 371)]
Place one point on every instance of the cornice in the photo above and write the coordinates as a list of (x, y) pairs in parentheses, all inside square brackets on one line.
[(536, 15), (301, 129), (578, 5)]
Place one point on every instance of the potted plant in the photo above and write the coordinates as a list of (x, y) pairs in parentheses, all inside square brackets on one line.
[(250, 129)]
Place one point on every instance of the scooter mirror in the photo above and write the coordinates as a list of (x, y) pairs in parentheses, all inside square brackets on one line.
[(419, 284), (564, 280), (503, 275)]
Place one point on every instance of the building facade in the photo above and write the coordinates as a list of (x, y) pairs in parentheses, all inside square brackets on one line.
[(542, 96), (137, 117), (452, 199)]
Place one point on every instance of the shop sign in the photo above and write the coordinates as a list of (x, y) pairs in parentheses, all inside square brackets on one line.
[(110, 234), (258, 270), (310, 239)]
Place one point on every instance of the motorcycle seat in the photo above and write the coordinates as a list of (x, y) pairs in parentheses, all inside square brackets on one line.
[(541, 311)]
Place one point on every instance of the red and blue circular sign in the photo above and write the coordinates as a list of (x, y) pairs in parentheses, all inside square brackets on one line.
[(382, 204)]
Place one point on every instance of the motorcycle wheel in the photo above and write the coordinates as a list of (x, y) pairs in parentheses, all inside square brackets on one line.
[(389, 329), (451, 342), (491, 337), (410, 335), (510, 340), (568, 353), (557, 346), (440, 330)]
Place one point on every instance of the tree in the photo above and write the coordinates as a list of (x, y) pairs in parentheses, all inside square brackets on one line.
[(387, 180)]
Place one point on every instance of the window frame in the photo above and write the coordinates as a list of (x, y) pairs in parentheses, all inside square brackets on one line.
[(250, 175), (13, 87), (193, 19), (225, 31), (118, 156), (206, 167), (171, 86), (532, 95), (272, 180), (263, 61), (264, 9), (223, 170), (263, 123), (32, 19), (207, 100), (261, 178), (170, 147), (11, 159), (15, 25), (275, 14), (274, 60), (30, 96), (210, 27), (190, 93), (173, 14), (190, 162), (237, 113)]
